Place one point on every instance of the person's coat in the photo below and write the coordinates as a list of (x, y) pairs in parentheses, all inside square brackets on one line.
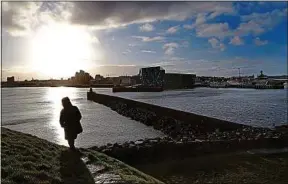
[(70, 120)]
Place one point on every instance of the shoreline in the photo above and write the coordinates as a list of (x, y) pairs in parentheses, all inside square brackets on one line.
[(53, 164), (76, 86), (176, 89), (209, 140), (28, 159), (187, 133)]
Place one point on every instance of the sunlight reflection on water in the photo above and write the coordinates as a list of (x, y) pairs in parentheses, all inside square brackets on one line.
[(36, 111), (55, 96)]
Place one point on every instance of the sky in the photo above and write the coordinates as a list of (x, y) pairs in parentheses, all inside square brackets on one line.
[(55, 39)]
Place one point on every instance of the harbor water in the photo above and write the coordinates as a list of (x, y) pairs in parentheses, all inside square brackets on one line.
[(36, 111)]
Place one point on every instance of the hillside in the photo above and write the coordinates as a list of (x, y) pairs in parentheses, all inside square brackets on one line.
[(27, 159)]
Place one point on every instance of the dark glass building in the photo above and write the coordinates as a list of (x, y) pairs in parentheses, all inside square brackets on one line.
[(152, 76), (179, 81)]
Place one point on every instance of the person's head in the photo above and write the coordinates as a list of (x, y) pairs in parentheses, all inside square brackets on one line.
[(66, 102)]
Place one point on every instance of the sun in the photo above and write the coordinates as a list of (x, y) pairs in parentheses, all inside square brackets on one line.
[(59, 50)]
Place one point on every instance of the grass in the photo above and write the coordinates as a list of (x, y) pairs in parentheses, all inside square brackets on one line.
[(27, 159), (232, 168)]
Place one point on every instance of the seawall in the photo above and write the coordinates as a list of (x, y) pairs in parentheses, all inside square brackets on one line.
[(188, 134), (154, 113), (159, 150)]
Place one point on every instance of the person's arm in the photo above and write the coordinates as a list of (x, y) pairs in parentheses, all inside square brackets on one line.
[(79, 116), (62, 118)]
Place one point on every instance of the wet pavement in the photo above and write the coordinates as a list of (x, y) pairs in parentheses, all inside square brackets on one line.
[(100, 175)]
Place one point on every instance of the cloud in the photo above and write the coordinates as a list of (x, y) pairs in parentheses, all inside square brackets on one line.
[(169, 61), (127, 51), (170, 48), (250, 27), (146, 27), (216, 44), (133, 44), (222, 10), (116, 65), (259, 42), (148, 51), (236, 40), (176, 59), (222, 47), (164, 64), (94, 39), (185, 43), (258, 23), (149, 39), (102, 15), (255, 23), (93, 13), (204, 16), (18, 17), (172, 30), (186, 26), (22, 18), (219, 30), (200, 19), (266, 19)]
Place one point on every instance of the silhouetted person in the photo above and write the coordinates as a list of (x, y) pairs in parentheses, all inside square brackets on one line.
[(70, 117)]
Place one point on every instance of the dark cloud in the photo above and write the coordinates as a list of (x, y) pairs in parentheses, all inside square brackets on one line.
[(103, 13), (100, 13), (9, 12)]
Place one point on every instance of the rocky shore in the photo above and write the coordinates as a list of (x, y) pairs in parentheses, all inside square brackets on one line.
[(159, 149), (183, 137), (183, 131)]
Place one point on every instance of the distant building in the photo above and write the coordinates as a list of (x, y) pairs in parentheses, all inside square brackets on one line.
[(10, 80), (82, 77), (152, 76), (262, 76), (98, 77), (136, 78), (125, 81), (179, 81)]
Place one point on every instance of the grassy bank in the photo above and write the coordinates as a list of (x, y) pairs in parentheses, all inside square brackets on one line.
[(31, 160)]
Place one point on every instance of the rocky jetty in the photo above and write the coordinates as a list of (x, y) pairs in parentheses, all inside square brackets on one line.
[(183, 131), (217, 142), (187, 134)]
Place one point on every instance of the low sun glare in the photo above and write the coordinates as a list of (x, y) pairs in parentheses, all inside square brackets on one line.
[(59, 50)]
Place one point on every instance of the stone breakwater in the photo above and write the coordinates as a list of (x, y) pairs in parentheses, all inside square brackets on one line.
[(157, 149), (182, 131), (187, 134), (174, 123)]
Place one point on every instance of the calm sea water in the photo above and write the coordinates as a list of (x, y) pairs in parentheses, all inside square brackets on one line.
[(36, 111), (254, 107)]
